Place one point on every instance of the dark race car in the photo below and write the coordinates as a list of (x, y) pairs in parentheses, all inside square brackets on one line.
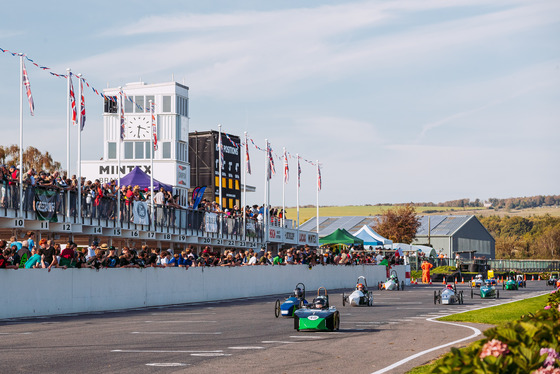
[(292, 302)]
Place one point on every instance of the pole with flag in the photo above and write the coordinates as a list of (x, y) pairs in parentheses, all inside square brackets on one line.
[(71, 105), (121, 135), (81, 122), (286, 178), (246, 169), (265, 206), (24, 81), (220, 162), (318, 189), (152, 150), (297, 194)]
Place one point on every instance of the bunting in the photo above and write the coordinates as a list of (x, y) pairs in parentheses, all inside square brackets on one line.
[(27, 86), (231, 141)]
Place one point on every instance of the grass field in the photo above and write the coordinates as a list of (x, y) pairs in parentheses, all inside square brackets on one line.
[(370, 210)]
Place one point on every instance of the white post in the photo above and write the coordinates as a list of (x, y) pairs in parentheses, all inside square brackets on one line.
[(284, 186), (120, 108), (152, 124), (297, 197), (220, 146), (20, 136), (79, 165), (244, 188), (69, 119), (265, 206), (317, 197)]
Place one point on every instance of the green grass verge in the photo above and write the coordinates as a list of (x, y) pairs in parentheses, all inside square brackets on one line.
[(500, 313), (421, 369)]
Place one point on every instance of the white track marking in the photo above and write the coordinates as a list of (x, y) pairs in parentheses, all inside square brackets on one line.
[(159, 351), (184, 313), (167, 364), (306, 337), (246, 347), (210, 354), (15, 333), (174, 333), (276, 342)]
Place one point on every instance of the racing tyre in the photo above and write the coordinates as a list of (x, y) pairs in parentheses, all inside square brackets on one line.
[(370, 299), (296, 323), (472, 293), (503, 286), (336, 322), (497, 294), (277, 309), (343, 299), (439, 297), (402, 285), (524, 284), (398, 286), (461, 297), (435, 297)]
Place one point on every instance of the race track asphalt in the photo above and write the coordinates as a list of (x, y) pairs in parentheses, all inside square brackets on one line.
[(241, 336)]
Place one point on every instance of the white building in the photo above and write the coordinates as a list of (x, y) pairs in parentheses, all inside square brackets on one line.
[(171, 162)]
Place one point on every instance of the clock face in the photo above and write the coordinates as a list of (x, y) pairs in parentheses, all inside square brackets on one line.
[(138, 127)]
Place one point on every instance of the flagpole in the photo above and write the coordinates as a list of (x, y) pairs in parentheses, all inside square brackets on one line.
[(284, 187), (21, 136), (244, 188), (297, 198), (265, 206), (317, 197), (68, 144), (120, 108), (79, 166), (220, 146), (152, 161)]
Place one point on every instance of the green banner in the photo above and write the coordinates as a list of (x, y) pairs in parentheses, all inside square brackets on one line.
[(45, 205)]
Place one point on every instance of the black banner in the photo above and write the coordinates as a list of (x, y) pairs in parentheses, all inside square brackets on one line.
[(45, 205)]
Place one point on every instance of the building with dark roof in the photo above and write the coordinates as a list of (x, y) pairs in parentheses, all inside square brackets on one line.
[(446, 234)]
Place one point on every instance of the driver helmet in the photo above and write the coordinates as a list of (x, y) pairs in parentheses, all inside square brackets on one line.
[(298, 293), (320, 303), (393, 276), (449, 287), (360, 286)]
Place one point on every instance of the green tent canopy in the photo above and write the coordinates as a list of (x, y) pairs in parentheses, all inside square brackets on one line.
[(340, 236)]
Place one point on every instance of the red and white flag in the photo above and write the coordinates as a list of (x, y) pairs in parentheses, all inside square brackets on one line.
[(154, 127), (248, 161), (286, 168), (28, 89), (82, 107), (72, 99), (121, 114), (271, 170)]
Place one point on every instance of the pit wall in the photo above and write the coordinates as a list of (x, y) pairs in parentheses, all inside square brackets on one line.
[(36, 292)]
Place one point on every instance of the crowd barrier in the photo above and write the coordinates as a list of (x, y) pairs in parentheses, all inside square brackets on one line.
[(32, 293)]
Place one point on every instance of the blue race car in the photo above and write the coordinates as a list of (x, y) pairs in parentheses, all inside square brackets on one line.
[(292, 302)]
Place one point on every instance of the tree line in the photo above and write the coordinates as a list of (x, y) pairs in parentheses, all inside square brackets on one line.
[(525, 237), (32, 158), (494, 203)]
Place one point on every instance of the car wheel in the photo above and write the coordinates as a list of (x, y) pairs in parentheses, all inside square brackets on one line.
[(402, 285), (461, 297), (370, 293), (336, 323), (296, 323), (472, 293), (435, 297), (277, 308), (524, 284), (498, 294), (343, 299)]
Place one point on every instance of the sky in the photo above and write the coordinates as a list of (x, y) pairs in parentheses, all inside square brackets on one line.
[(399, 101)]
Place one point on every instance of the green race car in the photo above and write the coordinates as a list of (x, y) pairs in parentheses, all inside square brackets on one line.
[(318, 315), (514, 282), (487, 291)]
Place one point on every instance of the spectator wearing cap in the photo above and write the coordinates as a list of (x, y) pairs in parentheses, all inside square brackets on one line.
[(91, 250), (112, 260)]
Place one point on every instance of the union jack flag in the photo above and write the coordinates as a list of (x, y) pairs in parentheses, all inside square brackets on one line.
[(28, 89), (248, 163), (298, 173), (154, 128), (121, 114), (286, 168), (319, 181), (271, 170), (72, 99), (82, 106)]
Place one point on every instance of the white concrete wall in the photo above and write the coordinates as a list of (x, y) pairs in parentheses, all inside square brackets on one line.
[(36, 292)]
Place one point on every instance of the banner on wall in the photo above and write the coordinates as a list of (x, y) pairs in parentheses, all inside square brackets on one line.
[(45, 205), (211, 222), (140, 213)]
